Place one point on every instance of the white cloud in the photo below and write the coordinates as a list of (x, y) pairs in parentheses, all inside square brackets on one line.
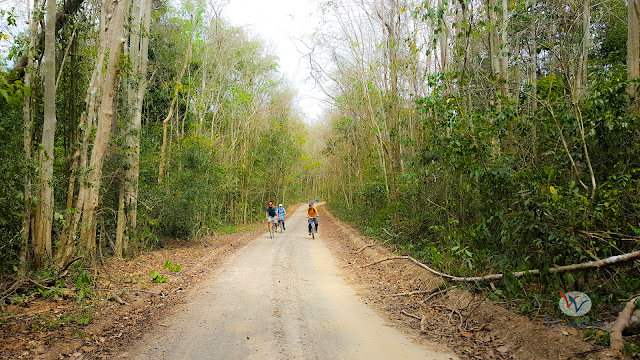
[(283, 23)]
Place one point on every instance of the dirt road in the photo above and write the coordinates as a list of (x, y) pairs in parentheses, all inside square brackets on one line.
[(280, 298)]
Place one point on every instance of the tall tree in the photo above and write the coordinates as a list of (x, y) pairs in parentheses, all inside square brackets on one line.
[(114, 14), (28, 134), (136, 88), (44, 213), (172, 107), (633, 48)]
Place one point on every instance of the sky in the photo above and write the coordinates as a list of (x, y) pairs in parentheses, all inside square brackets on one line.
[(283, 23)]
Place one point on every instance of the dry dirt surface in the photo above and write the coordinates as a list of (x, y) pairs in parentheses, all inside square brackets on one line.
[(248, 296)]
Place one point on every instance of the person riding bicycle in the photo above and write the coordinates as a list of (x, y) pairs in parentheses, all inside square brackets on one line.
[(312, 215), (271, 215), (281, 213)]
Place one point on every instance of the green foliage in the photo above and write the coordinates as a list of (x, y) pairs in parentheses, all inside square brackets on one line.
[(52, 292), (43, 323), (169, 266), (477, 195), (13, 169), (598, 337), (157, 277), (83, 283)]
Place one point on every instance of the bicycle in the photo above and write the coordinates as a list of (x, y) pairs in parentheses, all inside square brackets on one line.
[(314, 230), (272, 229)]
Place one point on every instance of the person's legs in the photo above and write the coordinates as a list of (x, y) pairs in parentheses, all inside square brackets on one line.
[(310, 221), (316, 222)]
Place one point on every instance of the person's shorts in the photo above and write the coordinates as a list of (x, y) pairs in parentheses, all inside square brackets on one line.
[(272, 219)]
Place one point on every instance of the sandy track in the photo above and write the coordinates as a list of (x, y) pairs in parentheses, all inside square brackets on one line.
[(278, 298)]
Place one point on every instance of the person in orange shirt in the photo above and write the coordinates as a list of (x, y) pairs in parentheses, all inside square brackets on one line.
[(312, 216)]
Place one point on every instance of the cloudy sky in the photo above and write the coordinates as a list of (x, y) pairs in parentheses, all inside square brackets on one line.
[(282, 23)]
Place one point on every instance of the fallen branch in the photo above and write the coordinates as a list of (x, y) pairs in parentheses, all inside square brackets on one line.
[(118, 299), (364, 247), (69, 263), (453, 311), (12, 288), (410, 315), (422, 321), (438, 293), (388, 233), (575, 267), (416, 292), (607, 235), (617, 344)]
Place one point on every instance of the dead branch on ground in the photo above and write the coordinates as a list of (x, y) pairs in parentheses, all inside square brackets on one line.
[(388, 233), (364, 247), (438, 293), (118, 299), (452, 312), (617, 344), (492, 277), (410, 315), (602, 235)]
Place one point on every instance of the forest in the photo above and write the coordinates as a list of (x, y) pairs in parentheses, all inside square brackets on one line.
[(125, 125), (489, 137), (478, 137)]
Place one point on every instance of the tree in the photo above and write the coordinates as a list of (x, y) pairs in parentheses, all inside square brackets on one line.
[(633, 48), (44, 212), (112, 35)]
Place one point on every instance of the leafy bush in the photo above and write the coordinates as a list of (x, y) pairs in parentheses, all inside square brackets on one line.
[(157, 277)]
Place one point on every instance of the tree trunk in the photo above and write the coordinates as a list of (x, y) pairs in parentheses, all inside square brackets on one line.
[(187, 56), (44, 212), (581, 74), (114, 41), (121, 223), (136, 88), (28, 134), (633, 49), (534, 83)]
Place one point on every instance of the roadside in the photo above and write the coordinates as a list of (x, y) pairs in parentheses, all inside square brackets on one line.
[(124, 302), (466, 323)]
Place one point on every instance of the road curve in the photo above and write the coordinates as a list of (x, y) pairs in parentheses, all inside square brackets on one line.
[(278, 298)]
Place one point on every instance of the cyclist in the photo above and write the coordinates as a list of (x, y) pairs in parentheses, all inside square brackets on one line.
[(270, 215), (317, 199), (281, 213), (312, 216)]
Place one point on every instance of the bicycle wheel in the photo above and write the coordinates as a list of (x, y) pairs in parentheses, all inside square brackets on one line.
[(271, 231)]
